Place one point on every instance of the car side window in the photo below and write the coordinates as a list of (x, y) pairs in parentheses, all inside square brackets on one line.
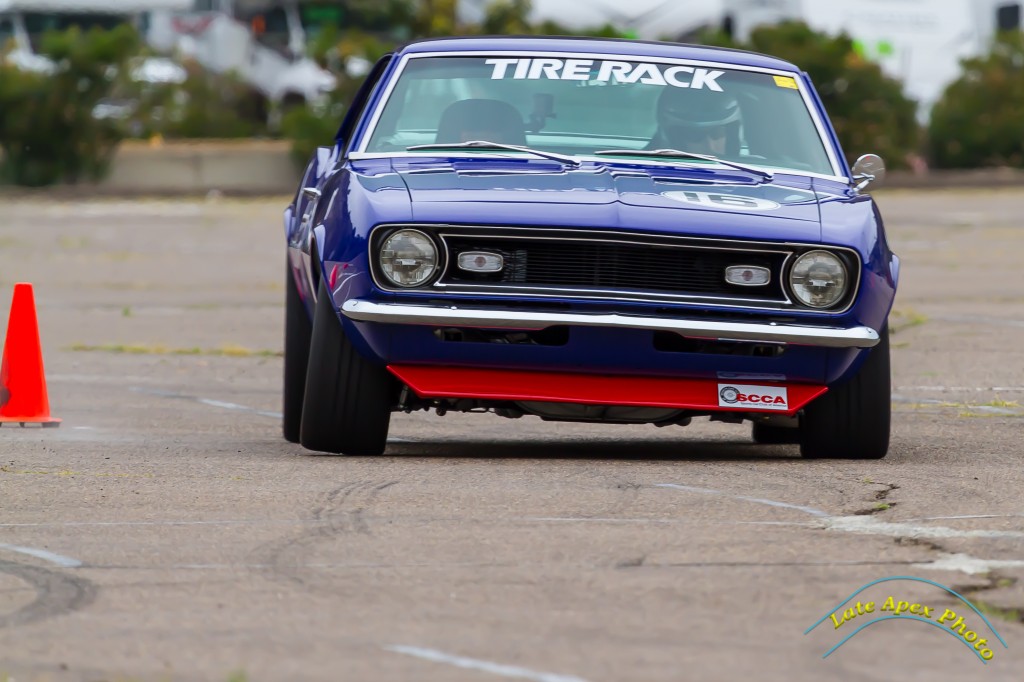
[(355, 111)]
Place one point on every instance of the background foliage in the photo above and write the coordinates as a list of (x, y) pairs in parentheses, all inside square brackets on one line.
[(980, 119), (48, 130), (53, 128), (869, 110)]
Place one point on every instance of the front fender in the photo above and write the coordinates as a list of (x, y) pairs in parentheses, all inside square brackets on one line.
[(355, 199)]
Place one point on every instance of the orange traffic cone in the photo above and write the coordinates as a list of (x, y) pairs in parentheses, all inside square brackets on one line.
[(22, 380)]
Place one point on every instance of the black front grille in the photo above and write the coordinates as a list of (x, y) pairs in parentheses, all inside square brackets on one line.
[(589, 264)]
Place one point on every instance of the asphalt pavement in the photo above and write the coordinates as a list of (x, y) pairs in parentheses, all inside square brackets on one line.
[(167, 532)]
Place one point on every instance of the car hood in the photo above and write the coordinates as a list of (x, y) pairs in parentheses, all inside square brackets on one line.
[(676, 200)]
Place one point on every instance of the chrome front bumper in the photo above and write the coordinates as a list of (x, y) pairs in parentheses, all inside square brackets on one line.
[(451, 316)]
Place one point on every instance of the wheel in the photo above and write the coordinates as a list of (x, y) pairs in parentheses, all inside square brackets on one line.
[(852, 420), (347, 404), (774, 435), (298, 329)]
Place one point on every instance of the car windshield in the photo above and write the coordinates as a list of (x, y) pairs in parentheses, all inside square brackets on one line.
[(584, 105)]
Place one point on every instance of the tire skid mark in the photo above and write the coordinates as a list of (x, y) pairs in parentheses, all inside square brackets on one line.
[(341, 512), (57, 594)]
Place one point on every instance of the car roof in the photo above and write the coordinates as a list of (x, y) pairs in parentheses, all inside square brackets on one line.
[(611, 46)]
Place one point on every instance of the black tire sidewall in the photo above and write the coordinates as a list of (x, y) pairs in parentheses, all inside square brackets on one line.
[(853, 420), (298, 332), (348, 400)]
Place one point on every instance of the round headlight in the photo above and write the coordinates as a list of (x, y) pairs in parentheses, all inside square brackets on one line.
[(818, 279), (408, 258)]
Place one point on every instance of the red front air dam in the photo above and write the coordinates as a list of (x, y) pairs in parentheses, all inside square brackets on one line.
[(591, 389)]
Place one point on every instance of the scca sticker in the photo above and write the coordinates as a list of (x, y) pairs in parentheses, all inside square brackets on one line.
[(622, 72), (753, 397), (732, 201)]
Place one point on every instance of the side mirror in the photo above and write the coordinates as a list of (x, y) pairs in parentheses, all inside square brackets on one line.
[(869, 169)]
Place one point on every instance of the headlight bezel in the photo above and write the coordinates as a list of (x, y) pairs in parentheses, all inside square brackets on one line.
[(384, 280), (851, 280)]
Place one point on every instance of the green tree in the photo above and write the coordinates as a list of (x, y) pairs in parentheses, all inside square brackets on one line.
[(310, 127), (50, 130), (868, 109), (435, 18), (978, 120)]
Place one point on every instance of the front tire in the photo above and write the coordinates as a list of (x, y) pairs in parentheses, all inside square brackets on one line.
[(852, 421), (348, 400), (298, 331)]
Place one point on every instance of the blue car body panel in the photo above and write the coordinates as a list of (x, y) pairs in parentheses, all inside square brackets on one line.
[(621, 195)]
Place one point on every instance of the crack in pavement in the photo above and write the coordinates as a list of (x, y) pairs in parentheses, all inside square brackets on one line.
[(868, 524)]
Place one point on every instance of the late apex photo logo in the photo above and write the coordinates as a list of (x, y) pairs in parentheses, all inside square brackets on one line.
[(753, 397)]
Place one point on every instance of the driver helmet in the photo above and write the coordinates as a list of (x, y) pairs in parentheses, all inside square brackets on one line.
[(701, 121)]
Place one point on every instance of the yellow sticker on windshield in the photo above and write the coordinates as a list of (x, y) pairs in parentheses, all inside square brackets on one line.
[(786, 82)]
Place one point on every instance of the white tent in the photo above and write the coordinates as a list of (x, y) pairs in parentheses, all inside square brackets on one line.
[(105, 6), (649, 19)]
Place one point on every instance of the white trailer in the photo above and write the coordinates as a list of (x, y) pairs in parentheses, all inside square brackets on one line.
[(647, 19), (920, 42), (262, 41), (24, 22)]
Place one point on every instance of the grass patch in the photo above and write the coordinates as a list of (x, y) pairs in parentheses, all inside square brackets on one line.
[(1010, 615), (227, 350), (72, 243), (984, 415), (882, 506), (1000, 403), (902, 320)]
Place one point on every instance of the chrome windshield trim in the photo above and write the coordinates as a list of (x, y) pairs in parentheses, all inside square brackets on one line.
[(596, 160), (453, 316), (805, 95)]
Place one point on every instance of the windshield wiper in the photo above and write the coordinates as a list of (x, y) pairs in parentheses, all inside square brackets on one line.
[(679, 154), (484, 144)]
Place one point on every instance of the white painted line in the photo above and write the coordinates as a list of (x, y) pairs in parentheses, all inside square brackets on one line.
[(963, 389), (597, 519), (362, 566), (757, 500), (99, 379), (60, 560), (897, 398), (228, 406), (66, 524), (990, 409), (868, 525), (240, 408), (980, 319), (483, 666), (84, 428), (965, 516), (968, 564)]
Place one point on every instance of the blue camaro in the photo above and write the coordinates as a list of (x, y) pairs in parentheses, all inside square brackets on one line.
[(588, 230)]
